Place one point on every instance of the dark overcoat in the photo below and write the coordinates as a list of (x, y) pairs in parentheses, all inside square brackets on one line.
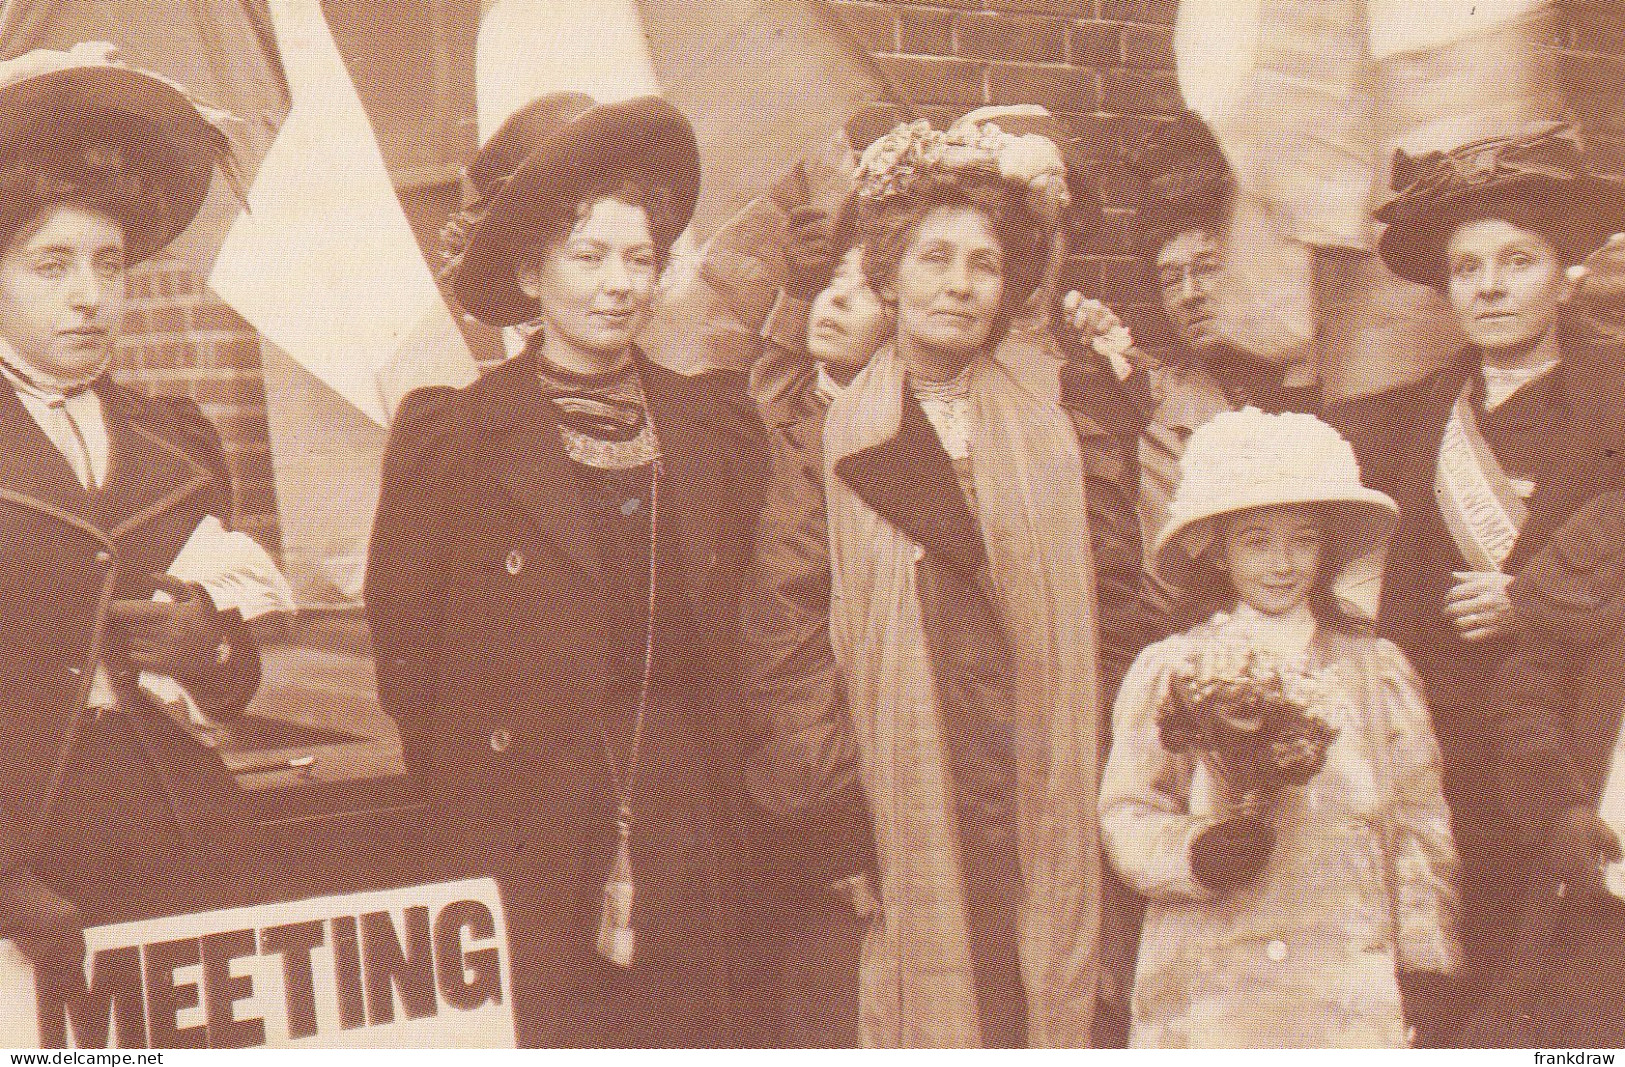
[(485, 594), (122, 813), (1562, 432), (1556, 713)]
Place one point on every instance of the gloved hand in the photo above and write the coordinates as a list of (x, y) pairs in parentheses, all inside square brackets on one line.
[(809, 253), (180, 638), (1577, 847), (1429, 1004), (46, 929), (858, 891), (1229, 854)]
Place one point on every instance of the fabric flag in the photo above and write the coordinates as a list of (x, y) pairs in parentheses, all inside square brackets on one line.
[(740, 70), (350, 286), (325, 266), (1309, 98)]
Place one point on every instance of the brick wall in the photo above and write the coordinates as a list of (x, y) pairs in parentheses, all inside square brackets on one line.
[(181, 340), (1104, 66)]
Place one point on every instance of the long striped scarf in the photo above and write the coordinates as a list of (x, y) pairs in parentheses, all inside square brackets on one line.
[(917, 986)]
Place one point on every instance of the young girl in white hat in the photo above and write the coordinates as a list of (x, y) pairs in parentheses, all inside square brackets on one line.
[(1295, 921)]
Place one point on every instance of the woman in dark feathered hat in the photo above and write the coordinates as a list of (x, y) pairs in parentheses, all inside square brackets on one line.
[(551, 587), (1490, 454), (110, 807)]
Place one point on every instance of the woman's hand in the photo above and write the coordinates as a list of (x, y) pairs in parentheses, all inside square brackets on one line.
[(1428, 1003), (178, 637), (1478, 605), (1229, 854), (809, 253), (1093, 325), (47, 930), (857, 891), (1577, 847)]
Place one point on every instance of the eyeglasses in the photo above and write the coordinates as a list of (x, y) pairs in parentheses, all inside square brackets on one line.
[(1200, 271)]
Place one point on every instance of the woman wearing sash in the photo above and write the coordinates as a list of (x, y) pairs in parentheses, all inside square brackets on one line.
[(1490, 454), (928, 622), (551, 587)]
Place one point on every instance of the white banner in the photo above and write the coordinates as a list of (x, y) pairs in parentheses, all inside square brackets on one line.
[(421, 967)]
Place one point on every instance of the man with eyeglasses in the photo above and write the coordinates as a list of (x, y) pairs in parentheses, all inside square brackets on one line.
[(1185, 191)]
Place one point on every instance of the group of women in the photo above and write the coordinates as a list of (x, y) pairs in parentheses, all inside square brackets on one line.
[(679, 673)]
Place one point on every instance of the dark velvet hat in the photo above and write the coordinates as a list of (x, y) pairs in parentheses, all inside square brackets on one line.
[(547, 154), (1537, 178), (1181, 182), (171, 142)]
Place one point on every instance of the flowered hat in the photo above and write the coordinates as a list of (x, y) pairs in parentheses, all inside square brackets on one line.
[(976, 145), (161, 132), (549, 152), (1239, 460), (1540, 173), (1181, 180)]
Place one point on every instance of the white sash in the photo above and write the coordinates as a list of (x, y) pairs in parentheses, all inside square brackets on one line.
[(1479, 502)]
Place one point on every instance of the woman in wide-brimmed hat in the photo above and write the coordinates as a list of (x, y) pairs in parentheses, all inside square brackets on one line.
[(931, 601), (1297, 871), (551, 587), (110, 807), (1490, 454)]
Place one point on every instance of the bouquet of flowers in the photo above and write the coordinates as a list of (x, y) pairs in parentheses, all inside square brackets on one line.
[(1248, 720)]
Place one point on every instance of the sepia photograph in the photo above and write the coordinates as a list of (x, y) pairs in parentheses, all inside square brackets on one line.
[(812, 524)]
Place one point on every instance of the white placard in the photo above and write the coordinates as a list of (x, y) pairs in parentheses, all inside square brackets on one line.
[(421, 967)]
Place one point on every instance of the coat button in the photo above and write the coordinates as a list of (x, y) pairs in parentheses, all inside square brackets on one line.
[(501, 739), (1276, 951), (515, 562), (103, 556)]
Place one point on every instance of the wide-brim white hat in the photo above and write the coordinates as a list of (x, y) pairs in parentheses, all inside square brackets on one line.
[(1241, 460)]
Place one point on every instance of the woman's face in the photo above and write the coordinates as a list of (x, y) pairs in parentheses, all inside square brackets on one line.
[(1506, 285), (950, 284), (62, 292), (848, 321), (594, 288), (1272, 556)]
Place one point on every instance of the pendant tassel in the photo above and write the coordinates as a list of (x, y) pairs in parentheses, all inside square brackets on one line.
[(615, 934)]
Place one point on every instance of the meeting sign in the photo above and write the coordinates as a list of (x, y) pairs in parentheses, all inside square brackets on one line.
[(421, 967)]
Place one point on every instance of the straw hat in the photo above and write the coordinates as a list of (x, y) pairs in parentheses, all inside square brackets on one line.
[(50, 97), (1540, 174), (1240, 460), (547, 154)]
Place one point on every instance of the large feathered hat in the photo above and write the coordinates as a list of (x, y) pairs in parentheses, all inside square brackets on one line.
[(1181, 181), (170, 141)]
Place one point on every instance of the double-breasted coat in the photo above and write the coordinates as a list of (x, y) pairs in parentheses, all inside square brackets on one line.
[(492, 637), (123, 813)]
